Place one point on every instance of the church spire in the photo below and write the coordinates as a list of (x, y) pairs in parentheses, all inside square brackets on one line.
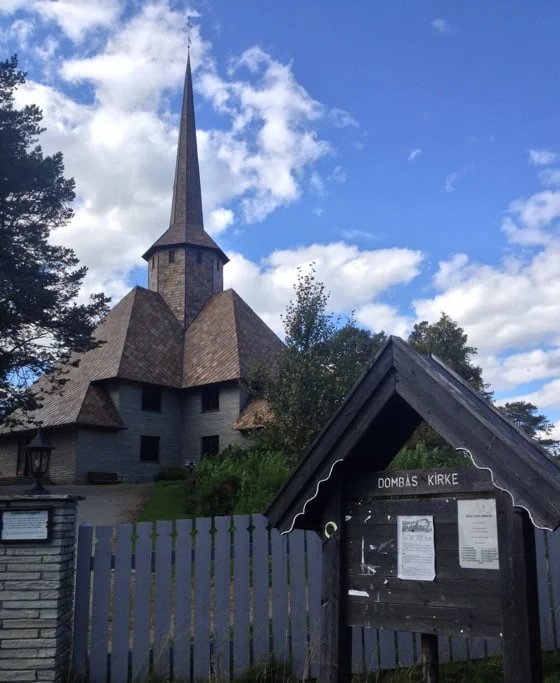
[(186, 206)]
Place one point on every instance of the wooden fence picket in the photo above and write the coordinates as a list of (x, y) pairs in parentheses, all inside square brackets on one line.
[(187, 605)]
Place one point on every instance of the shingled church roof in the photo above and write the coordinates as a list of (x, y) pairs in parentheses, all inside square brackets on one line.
[(224, 341)]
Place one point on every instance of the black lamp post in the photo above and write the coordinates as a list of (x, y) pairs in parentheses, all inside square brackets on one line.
[(39, 453)]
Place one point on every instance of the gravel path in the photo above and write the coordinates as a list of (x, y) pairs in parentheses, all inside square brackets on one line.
[(103, 504)]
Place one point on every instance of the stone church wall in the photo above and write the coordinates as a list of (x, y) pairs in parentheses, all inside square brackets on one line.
[(197, 424), (120, 451)]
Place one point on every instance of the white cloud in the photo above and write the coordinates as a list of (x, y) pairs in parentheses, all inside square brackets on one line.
[(354, 277), (318, 211), (548, 396), (521, 368), (532, 221), (542, 157), (450, 180), (414, 154), (442, 26), (550, 177), (514, 305), (337, 175), (381, 317), (342, 119)]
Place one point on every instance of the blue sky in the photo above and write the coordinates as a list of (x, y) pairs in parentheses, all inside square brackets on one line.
[(410, 149)]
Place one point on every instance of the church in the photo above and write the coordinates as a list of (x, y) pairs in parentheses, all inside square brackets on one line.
[(165, 386)]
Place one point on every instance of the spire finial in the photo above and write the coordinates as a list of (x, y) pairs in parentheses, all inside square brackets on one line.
[(189, 27)]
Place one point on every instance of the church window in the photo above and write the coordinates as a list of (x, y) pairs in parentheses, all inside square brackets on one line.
[(171, 256), (149, 448), (210, 445), (151, 399), (210, 399), (218, 265), (153, 262), (199, 257)]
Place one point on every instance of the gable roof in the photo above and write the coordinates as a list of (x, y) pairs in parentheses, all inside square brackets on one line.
[(224, 341), (133, 348), (400, 388)]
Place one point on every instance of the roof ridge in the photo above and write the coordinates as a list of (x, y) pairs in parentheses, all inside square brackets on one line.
[(234, 304), (134, 292)]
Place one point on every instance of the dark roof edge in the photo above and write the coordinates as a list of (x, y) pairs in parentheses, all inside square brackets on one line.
[(165, 247)]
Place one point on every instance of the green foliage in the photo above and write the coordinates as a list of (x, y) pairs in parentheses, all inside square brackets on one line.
[(446, 340), (40, 320), (420, 456), (237, 481), (322, 360), (537, 426), (171, 473)]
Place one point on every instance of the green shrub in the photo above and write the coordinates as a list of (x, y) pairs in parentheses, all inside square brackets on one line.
[(171, 473), (237, 481)]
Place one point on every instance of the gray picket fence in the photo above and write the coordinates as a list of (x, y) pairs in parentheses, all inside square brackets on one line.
[(204, 600)]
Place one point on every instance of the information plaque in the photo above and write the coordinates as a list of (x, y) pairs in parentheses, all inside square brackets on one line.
[(24, 526)]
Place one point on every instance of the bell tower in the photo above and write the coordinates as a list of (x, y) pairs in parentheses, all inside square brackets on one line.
[(185, 265)]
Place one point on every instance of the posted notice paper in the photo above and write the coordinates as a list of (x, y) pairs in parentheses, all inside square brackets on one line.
[(416, 555), (478, 534)]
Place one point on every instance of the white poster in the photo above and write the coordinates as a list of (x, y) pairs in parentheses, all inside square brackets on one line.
[(416, 551), (478, 534), (24, 525)]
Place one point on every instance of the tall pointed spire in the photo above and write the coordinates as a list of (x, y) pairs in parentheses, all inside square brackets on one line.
[(186, 206)]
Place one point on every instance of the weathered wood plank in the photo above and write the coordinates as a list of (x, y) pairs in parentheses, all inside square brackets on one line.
[(440, 620), (241, 651), (314, 573), (121, 604), (222, 583), (280, 644), (141, 620), (357, 650), (405, 648), (81, 602), (182, 625), (261, 639), (99, 646), (162, 605), (371, 649), (374, 513), (298, 610), (437, 481), (444, 649), (202, 576), (553, 543), (462, 594), (387, 651), (516, 540), (336, 637), (459, 651), (543, 578), (476, 648)]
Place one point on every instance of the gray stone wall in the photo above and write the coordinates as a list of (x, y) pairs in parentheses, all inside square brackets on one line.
[(8, 457), (62, 467), (171, 280), (197, 424), (119, 452), (203, 279), (37, 589)]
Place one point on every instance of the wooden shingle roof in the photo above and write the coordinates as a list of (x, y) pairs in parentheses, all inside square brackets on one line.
[(401, 388), (224, 341)]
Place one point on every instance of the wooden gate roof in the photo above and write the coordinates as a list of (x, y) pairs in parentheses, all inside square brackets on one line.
[(399, 390)]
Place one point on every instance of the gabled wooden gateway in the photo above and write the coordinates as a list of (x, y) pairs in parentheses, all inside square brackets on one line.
[(399, 390)]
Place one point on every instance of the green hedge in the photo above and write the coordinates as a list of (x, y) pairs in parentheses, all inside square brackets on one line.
[(237, 481)]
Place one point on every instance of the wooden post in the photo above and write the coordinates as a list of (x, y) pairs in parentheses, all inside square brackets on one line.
[(336, 637), (520, 611), (430, 658)]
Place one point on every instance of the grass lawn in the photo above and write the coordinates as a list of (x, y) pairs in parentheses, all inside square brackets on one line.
[(165, 501)]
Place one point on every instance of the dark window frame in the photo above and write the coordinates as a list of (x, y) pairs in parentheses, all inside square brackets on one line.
[(210, 399), (209, 445), (149, 448), (199, 256), (153, 262), (151, 398), (171, 255)]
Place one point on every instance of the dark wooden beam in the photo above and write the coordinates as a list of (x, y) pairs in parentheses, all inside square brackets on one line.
[(336, 636), (520, 607)]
